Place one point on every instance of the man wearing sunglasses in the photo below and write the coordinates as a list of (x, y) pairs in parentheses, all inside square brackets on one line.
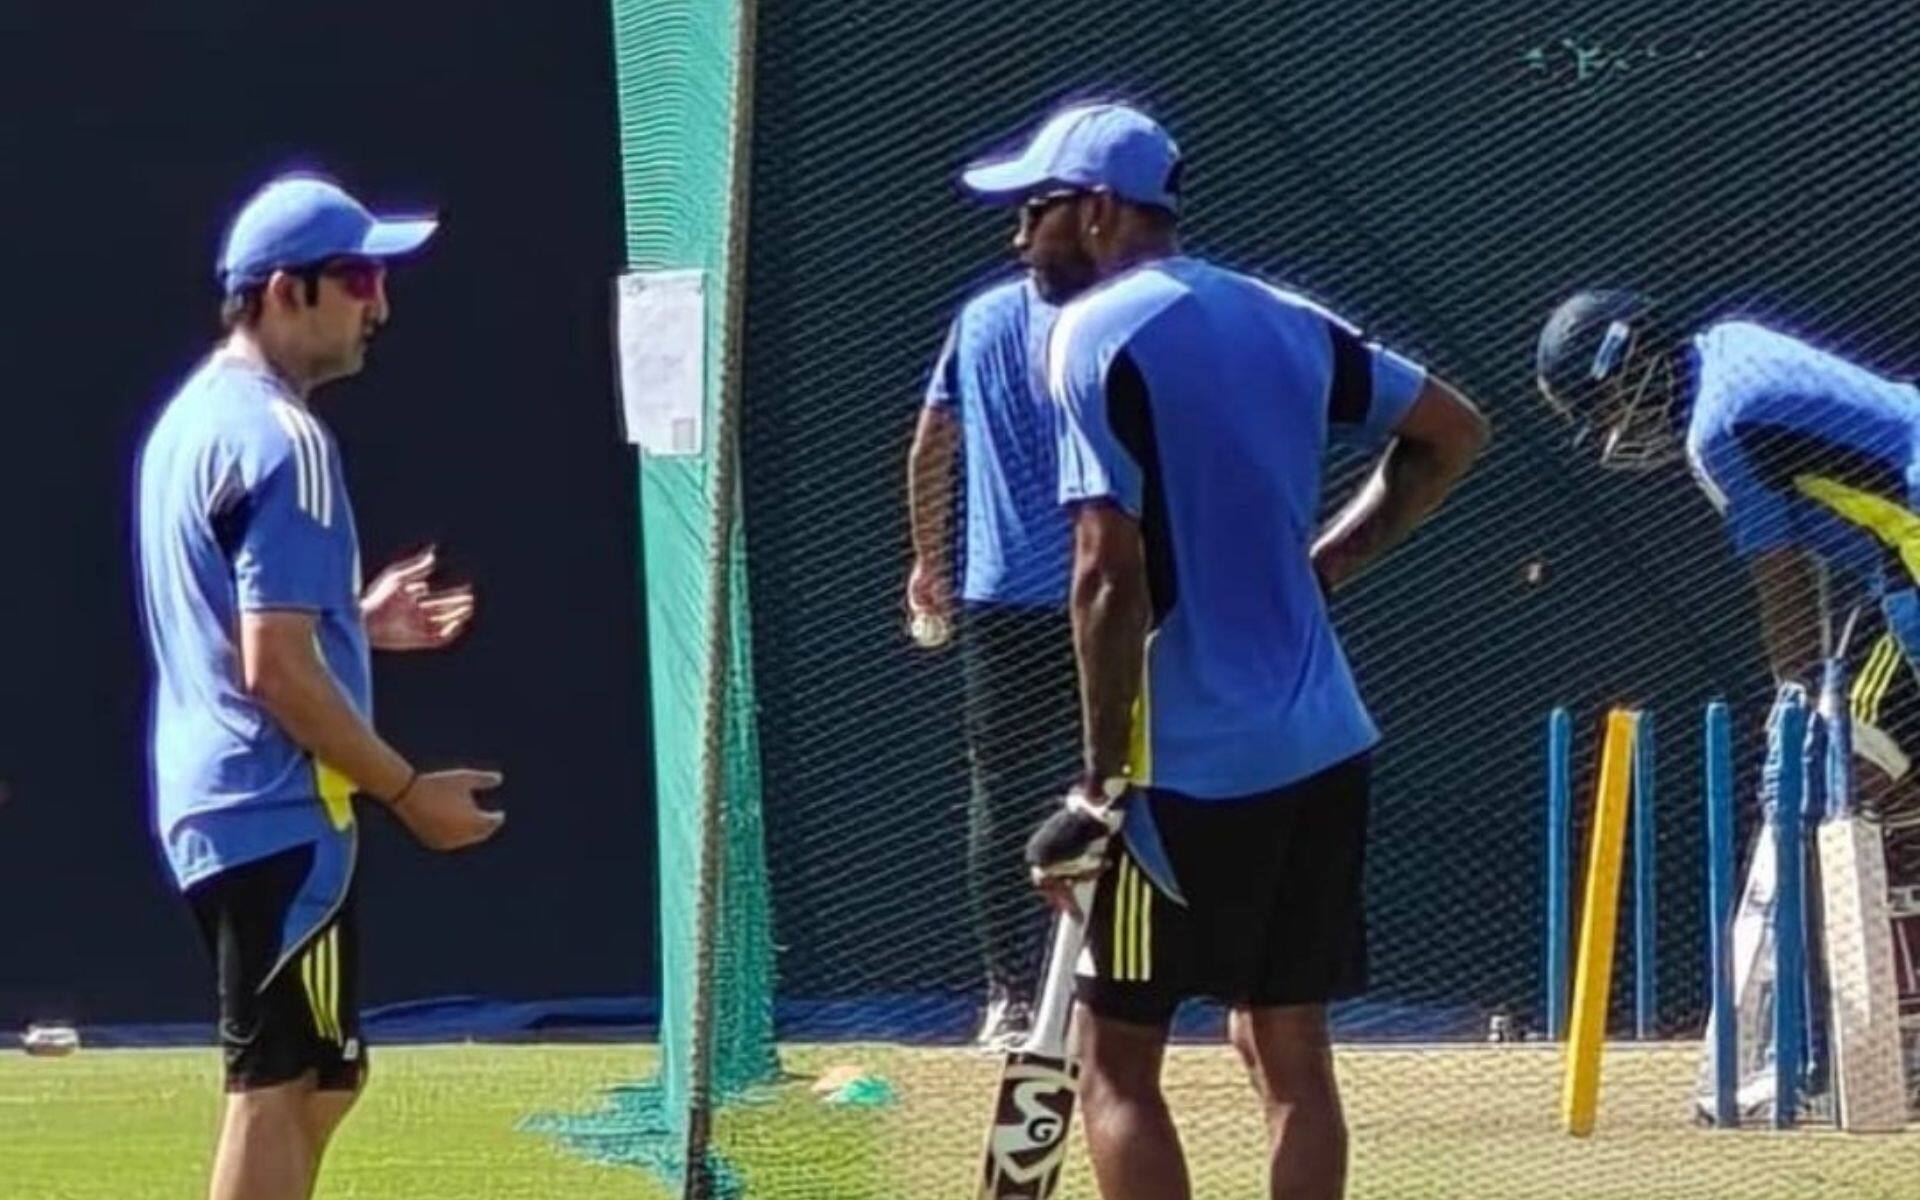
[(987, 407), (259, 632), (1222, 802)]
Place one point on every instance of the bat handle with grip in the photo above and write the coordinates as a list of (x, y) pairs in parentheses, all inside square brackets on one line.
[(1049, 1035)]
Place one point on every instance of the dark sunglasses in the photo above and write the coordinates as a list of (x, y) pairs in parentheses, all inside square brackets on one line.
[(1033, 208), (358, 277)]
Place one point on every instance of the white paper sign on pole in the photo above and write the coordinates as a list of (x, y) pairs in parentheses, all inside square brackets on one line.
[(660, 330)]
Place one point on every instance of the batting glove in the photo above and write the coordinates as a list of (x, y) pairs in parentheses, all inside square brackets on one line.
[(1072, 843)]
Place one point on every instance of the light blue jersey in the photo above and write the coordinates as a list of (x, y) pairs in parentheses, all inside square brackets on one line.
[(1798, 447), (1201, 401), (991, 374), (243, 508)]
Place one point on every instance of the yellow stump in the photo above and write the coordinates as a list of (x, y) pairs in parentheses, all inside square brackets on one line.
[(1599, 914)]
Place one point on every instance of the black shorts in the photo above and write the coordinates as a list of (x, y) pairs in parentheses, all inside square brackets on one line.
[(277, 1025), (1886, 706), (1274, 911)]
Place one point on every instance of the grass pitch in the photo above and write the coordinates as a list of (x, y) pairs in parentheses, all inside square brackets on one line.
[(445, 1123)]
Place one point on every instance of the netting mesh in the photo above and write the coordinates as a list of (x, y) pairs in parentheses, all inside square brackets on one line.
[(676, 66), (1443, 175)]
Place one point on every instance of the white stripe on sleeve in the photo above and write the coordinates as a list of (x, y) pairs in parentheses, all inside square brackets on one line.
[(322, 466), (309, 460)]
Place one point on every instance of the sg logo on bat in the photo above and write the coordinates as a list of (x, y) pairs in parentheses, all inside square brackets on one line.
[(1028, 1141)]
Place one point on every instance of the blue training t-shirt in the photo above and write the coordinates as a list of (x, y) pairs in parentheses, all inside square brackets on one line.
[(991, 372), (243, 508), (1799, 447), (1201, 401)]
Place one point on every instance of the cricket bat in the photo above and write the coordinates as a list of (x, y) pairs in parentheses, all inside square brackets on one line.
[(1033, 1108), (1869, 1073)]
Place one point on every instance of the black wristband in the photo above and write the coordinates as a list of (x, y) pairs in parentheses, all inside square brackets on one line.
[(404, 789)]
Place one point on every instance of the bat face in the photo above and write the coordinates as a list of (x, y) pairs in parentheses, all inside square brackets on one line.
[(1869, 1066), (1869, 1072), (1028, 1140)]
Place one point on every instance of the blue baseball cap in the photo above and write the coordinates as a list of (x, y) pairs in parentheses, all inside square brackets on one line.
[(1110, 146), (300, 220)]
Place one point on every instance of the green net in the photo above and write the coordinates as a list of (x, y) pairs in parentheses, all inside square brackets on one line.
[(677, 75), (1443, 174)]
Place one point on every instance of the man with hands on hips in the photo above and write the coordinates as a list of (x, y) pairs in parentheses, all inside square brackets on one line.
[(1222, 812)]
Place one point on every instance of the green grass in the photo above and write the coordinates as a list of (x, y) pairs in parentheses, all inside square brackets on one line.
[(436, 1122), (444, 1123)]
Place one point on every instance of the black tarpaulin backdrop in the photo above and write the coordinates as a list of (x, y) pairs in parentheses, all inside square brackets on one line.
[(485, 423), (1442, 174)]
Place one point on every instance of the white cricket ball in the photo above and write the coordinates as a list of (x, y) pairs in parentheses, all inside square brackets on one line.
[(930, 630)]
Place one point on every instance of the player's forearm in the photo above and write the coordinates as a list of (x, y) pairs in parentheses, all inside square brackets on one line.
[(306, 703), (930, 487), (1408, 484), (1434, 444), (1111, 609)]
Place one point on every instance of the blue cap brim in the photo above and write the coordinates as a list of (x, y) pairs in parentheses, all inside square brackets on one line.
[(392, 238), (1003, 181)]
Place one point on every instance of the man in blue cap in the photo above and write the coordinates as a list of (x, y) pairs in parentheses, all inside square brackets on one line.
[(1223, 797), (261, 720), (987, 406)]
